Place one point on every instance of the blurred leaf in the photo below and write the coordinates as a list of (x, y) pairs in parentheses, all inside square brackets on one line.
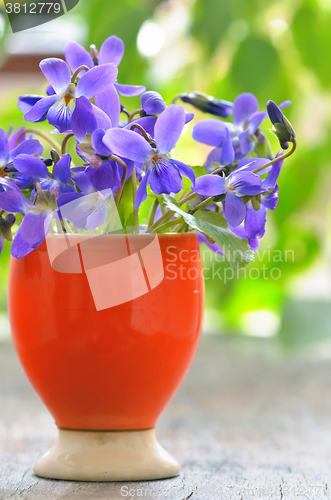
[(305, 322), (211, 21), (256, 67), (312, 35)]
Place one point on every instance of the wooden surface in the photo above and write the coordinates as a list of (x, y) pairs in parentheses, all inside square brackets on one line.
[(248, 422)]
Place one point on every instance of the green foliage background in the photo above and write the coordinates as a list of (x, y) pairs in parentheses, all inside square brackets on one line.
[(276, 49)]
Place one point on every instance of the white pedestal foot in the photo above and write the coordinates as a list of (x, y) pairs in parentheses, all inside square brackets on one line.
[(107, 456)]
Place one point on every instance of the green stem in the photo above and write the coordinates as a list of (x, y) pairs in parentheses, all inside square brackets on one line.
[(169, 224), (201, 205), (153, 212), (134, 193), (40, 134), (65, 142), (124, 176), (134, 114), (276, 160), (78, 70)]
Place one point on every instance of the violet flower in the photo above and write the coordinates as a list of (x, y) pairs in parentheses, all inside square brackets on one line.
[(60, 105), (282, 127), (9, 151), (35, 169), (234, 186), (162, 173), (247, 120), (36, 223)]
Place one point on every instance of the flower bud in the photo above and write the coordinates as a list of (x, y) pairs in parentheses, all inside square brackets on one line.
[(55, 156), (281, 126), (152, 103), (6, 224), (94, 53), (208, 104)]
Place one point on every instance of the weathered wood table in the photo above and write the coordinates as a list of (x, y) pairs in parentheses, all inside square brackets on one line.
[(247, 423)]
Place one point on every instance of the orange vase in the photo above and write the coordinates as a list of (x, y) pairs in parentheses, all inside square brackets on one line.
[(107, 373)]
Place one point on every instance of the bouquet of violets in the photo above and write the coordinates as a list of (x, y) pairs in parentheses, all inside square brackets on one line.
[(126, 161)]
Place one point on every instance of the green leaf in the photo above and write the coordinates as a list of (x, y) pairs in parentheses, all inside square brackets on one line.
[(236, 250), (125, 209)]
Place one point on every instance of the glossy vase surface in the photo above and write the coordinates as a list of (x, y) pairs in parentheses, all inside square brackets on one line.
[(116, 368)]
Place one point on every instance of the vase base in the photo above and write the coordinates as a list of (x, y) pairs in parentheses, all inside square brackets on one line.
[(107, 456)]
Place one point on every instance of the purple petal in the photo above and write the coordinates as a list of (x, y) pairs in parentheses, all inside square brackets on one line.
[(35, 227), (111, 51), (250, 164), (189, 117), (77, 56), (270, 200), (246, 144), (227, 156), (103, 120), (270, 181), (4, 147), (96, 81), (13, 201), (61, 170), (129, 90), (97, 143), (97, 218), (83, 182), (210, 185), (142, 190), (12, 139), (213, 157), (26, 102), (20, 248), (165, 179), (209, 131), (241, 179), (152, 103), (255, 121), (31, 166), (244, 106), (30, 147), (251, 190), (50, 90), (168, 128), (57, 73), (127, 144), (60, 115), (185, 170), (234, 208), (83, 119), (147, 123), (255, 221), (109, 103), (104, 177), (40, 108)]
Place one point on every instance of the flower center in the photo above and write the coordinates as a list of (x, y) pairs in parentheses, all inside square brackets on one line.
[(155, 158), (67, 99)]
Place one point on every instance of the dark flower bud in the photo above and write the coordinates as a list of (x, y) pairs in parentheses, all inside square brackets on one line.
[(55, 156), (208, 104), (281, 126), (6, 224)]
